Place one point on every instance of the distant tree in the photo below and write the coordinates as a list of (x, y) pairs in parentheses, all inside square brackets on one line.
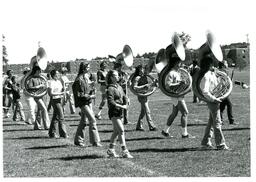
[(185, 38), (138, 56), (4, 51)]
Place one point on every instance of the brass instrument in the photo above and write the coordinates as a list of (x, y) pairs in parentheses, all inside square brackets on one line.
[(224, 87), (39, 60), (162, 65)]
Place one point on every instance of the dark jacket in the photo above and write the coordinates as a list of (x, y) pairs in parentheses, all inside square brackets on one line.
[(81, 91), (115, 94)]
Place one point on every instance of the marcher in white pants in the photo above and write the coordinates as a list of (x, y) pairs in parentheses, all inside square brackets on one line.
[(30, 101)]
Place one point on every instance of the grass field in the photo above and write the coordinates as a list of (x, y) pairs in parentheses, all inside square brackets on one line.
[(30, 153)]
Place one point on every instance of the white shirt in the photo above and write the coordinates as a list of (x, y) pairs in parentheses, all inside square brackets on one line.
[(56, 87), (207, 84), (173, 78)]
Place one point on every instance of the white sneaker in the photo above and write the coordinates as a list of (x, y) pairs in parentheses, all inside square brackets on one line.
[(112, 153), (126, 154)]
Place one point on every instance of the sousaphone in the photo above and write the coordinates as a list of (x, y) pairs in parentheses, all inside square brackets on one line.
[(162, 64), (39, 60), (223, 89)]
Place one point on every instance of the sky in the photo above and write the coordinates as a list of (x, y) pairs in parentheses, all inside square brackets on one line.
[(70, 29)]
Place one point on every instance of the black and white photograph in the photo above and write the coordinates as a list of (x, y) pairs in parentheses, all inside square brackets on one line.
[(128, 90)]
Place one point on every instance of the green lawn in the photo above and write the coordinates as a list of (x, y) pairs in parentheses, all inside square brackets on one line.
[(29, 153)]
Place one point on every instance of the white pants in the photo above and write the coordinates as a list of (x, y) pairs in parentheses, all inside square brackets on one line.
[(31, 116)]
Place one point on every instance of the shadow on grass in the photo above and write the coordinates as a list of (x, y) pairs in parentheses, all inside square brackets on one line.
[(14, 124), (46, 147), (170, 150), (137, 139), (110, 131), (70, 158), (18, 130), (28, 138), (101, 124), (235, 129)]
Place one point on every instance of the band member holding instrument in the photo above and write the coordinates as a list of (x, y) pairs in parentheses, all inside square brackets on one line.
[(208, 83), (179, 104), (30, 116), (117, 102), (56, 91), (8, 97), (141, 82), (35, 83), (123, 78), (83, 98), (101, 78), (68, 96), (226, 101)]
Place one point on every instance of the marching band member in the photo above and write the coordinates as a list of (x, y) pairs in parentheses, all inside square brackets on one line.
[(56, 91), (34, 84), (18, 107), (83, 98), (141, 82), (49, 78), (68, 96), (123, 78), (117, 102), (30, 116), (226, 101), (208, 82), (101, 78), (8, 97), (179, 104)]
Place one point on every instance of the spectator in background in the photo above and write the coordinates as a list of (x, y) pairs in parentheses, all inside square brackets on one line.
[(101, 78), (194, 69), (68, 96), (18, 108), (223, 66)]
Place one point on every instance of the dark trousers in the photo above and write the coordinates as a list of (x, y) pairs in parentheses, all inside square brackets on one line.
[(223, 104), (57, 119)]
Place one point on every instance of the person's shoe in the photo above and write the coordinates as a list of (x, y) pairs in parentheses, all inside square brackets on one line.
[(223, 147), (166, 134), (153, 129), (79, 144), (53, 136), (64, 136), (207, 147), (234, 123), (96, 144), (126, 123), (187, 136), (29, 123), (112, 153), (98, 117), (126, 154), (22, 119), (140, 129)]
